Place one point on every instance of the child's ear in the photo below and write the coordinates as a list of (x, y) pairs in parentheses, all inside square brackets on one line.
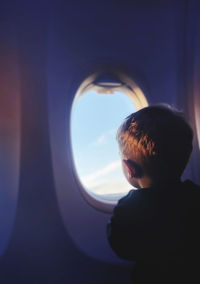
[(128, 168), (134, 170)]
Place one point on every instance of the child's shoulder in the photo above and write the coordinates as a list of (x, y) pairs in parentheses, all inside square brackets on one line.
[(191, 193), (190, 185), (126, 198), (133, 194), (122, 209), (129, 199)]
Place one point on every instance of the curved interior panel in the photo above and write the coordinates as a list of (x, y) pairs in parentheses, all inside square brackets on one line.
[(84, 223), (9, 140)]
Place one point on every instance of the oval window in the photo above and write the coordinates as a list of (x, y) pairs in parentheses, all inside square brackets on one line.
[(96, 115)]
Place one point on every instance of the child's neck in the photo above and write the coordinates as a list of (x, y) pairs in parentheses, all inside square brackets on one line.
[(146, 182)]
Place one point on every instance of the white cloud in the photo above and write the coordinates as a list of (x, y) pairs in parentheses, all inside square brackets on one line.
[(103, 139), (108, 180), (112, 187), (102, 172), (112, 131)]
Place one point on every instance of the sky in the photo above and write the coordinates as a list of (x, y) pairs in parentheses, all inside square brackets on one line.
[(95, 119)]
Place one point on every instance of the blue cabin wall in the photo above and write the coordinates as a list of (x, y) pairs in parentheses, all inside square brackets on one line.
[(49, 48)]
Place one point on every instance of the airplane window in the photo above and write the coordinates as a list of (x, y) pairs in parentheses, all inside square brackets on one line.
[(95, 118)]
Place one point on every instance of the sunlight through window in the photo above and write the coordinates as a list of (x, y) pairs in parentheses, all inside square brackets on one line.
[(95, 118)]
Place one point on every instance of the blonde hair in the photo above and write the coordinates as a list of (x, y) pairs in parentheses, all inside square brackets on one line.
[(158, 137)]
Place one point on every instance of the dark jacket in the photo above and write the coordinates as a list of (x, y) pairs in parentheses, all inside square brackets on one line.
[(159, 229)]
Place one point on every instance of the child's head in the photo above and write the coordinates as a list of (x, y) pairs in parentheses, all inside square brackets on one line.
[(155, 143)]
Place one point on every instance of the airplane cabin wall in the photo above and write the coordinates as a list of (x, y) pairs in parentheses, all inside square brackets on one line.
[(57, 237)]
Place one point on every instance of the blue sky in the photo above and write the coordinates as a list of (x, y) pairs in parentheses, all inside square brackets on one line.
[(95, 119)]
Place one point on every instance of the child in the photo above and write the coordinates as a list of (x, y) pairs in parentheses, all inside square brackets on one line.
[(157, 225)]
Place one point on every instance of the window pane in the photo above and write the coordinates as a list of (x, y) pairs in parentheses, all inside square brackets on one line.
[(94, 122)]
